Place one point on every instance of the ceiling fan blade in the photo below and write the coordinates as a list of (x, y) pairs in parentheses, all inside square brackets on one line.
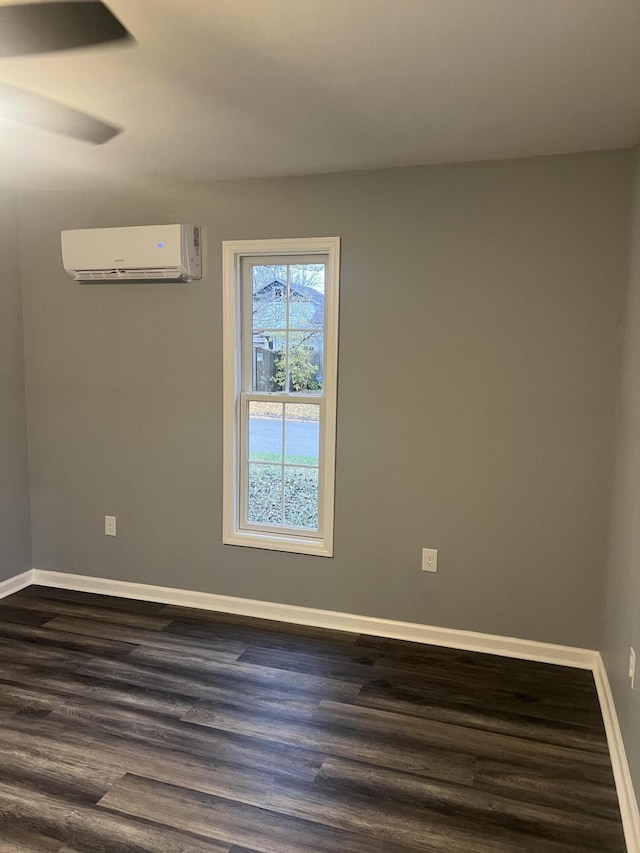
[(46, 27), (37, 111)]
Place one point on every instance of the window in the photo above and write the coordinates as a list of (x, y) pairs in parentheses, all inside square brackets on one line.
[(280, 382)]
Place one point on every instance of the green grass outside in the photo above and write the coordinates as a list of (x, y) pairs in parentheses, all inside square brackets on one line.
[(300, 496), (289, 460)]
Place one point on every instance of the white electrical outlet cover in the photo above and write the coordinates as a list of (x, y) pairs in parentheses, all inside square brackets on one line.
[(429, 560)]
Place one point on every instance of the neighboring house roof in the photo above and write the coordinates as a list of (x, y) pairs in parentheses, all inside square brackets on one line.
[(306, 306)]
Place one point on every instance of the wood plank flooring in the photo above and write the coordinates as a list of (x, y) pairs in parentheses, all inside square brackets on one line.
[(131, 727)]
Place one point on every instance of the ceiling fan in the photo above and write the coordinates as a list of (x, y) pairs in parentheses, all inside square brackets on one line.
[(44, 28)]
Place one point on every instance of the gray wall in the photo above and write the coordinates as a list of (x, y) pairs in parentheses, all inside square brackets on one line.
[(479, 347), (621, 625), (15, 531)]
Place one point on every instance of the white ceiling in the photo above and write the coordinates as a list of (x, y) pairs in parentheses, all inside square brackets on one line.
[(218, 89)]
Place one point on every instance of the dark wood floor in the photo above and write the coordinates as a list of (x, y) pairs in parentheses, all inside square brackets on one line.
[(130, 727)]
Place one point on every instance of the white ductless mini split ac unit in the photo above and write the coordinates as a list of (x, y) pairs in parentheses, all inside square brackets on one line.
[(142, 253)]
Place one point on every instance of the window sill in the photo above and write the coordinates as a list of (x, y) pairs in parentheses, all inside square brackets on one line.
[(293, 544)]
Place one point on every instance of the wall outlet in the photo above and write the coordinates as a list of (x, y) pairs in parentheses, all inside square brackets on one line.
[(109, 525), (632, 667), (429, 560)]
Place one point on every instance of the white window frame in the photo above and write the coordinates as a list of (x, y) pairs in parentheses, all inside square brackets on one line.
[(235, 444)]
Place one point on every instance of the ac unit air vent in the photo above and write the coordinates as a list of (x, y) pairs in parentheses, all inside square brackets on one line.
[(148, 274)]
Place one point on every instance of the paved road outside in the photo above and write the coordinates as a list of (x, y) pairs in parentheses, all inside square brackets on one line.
[(301, 438)]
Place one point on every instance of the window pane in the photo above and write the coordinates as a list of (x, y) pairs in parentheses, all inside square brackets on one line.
[(305, 361), (264, 495), (306, 296), (269, 295), (265, 432), (302, 434), (301, 497), (268, 364), (308, 275)]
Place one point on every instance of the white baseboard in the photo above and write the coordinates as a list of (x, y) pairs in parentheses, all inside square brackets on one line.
[(16, 583), (624, 785), (414, 632)]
